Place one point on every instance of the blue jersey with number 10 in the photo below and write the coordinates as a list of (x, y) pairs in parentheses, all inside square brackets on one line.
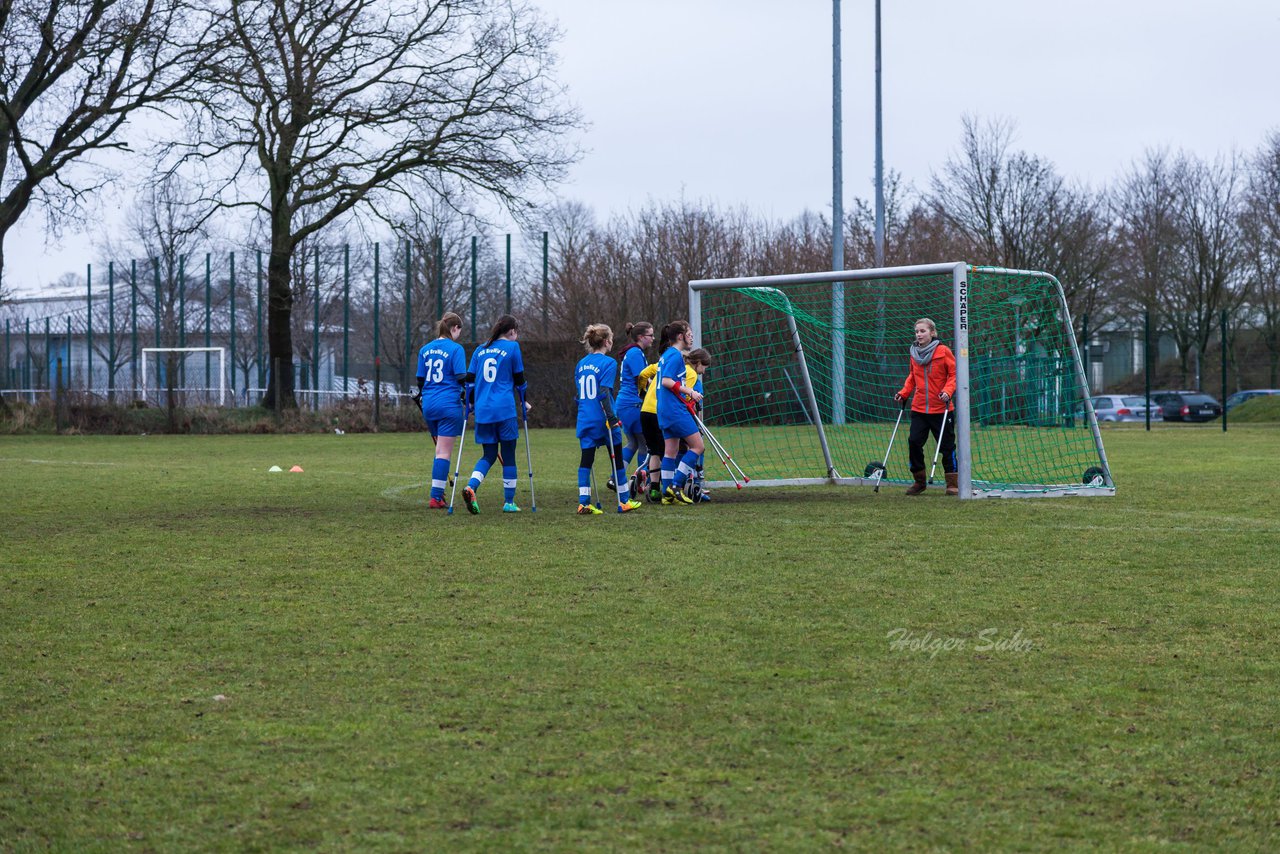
[(495, 366), (596, 372)]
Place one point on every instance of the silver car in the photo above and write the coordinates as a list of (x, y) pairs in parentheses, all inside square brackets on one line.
[(1123, 407)]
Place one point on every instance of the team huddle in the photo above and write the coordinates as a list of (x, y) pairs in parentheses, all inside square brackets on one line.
[(642, 413), (646, 414)]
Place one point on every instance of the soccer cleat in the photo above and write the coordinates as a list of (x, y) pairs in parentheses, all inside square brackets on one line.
[(589, 510), (437, 504), (704, 496), (469, 498), (655, 495), (629, 506), (510, 507), (675, 496)]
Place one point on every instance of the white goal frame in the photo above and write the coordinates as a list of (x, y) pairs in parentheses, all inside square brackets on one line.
[(959, 272), (222, 366)]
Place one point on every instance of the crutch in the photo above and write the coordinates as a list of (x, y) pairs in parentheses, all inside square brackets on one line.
[(613, 462), (938, 448), (457, 468), (721, 452), (528, 455), (880, 467)]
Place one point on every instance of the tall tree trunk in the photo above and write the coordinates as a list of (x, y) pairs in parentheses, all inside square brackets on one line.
[(279, 330)]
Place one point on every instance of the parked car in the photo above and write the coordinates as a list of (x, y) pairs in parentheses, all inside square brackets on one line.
[(1187, 405), (1123, 407), (1248, 394)]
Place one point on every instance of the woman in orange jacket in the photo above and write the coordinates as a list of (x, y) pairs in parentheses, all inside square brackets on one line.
[(930, 387)]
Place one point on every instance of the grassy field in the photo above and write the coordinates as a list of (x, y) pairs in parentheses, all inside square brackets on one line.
[(196, 654)]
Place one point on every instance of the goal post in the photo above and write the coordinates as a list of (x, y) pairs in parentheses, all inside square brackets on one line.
[(793, 411), (222, 366)]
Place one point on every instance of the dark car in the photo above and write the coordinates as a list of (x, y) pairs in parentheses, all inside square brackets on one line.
[(1248, 394), (1187, 405)]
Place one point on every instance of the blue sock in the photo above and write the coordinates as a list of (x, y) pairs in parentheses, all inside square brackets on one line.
[(624, 486), (510, 474), (584, 485), (628, 454), (439, 478), (482, 467), (668, 472), (687, 463)]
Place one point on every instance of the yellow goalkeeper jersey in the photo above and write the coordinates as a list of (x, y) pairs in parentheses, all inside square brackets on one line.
[(650, 388)]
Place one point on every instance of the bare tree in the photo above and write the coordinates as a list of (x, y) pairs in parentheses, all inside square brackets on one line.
[(72, 73), (322, 109), (1261, 231), (1012, 209), (1209, 277)]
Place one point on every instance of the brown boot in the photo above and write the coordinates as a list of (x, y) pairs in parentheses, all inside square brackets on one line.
[(917, 487), (953, 483)]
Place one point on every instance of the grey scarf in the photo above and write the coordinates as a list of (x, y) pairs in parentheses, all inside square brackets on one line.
[(923, 355)]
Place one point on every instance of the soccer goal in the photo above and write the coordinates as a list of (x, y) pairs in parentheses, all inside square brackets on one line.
[(185, 351), (806, 366)]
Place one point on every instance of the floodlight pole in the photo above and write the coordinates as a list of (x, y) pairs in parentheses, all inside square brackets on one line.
[(879, 152), (837, 225)]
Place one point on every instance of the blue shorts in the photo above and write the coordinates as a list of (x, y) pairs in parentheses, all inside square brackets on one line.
[(442, 421), (596, 438), (630, 417), (678, 426), (498, 431)]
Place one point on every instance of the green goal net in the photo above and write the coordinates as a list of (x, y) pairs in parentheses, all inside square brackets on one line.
[(806, 366)]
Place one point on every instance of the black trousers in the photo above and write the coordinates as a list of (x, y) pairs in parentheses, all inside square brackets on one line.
[(921, 427)]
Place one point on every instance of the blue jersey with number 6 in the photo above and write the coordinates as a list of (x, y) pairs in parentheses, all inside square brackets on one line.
[(495, 366), (441, 365), (596, 372)]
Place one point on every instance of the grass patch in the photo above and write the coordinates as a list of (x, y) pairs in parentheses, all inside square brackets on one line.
[(394, 679)]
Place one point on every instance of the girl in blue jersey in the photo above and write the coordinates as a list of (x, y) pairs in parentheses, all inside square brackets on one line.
[(442, 369), (633, 362), (496, 374), (598, 423), (674, 416)]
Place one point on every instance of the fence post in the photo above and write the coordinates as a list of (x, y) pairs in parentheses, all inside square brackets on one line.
[(1088, 381), (377, 392), (47, 364), (1146, 362), (346, 319), (473, 287), (1223, 333), (59, 400), (315, 338), (408, 320), (208, 318), (133, 320), (261, 362), (377, 284), (440, 277), (155, 269), (545, 278), (233, 329), (111, 331), (88, 373), (508, 274)]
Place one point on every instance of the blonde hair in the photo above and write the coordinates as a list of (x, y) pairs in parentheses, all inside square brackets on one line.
[(933, 327), (596, 336)]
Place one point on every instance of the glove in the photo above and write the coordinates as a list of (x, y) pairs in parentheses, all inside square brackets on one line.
[(417, 399), (614, 423)]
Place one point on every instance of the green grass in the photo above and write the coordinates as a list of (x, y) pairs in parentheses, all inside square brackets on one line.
[(719, 676)]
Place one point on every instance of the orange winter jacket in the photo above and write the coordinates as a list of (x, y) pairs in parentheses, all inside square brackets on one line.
[(926, 382)]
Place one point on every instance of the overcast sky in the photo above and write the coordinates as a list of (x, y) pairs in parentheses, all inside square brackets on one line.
[(729, 101)]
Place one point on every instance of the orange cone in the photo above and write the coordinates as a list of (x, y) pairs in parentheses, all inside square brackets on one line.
[(296, 469)]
